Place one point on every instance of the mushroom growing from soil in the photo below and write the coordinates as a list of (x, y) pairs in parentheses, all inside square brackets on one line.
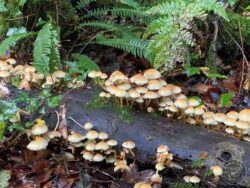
[(128, 146), (149, 96), (39, 128), (152, 74), (38, 144), (241, 125), (75, 138), (217, 171)]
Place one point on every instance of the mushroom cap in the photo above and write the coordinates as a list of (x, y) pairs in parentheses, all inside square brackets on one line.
[(150, 109), (199, 110), (193, 102), (108, 95), (242, 125), (101, 146), (87, 155), (103, 135), (156, 178), (112, 143), (4, 74), (162, 148), (91, 135), (30, 69), (162, 82), (133, 94), (141, 90), (230, 121), (128, 144), (11, 61), (220, 117), (124, 86), (98, 157), (189, 110), (90, 146), (108, 83), (164, 91), (110, 159), (92, 74), (152, 74), (146, 185), (121, 93), (173, 108), (159, 166), (111, 89), (233, 114), (39, 129), (154, 85), (208, 114), (54, 134), (88, 126), (244, 115), (181, 96), (58, 74), (4, 66), (104, 76), (246, 138), (151, 95), (118, 77), (139, 79), (75, 138), (187, 179), (18, 68), (102, 94), (38, 144), (181, 103), (121, 165), (194, 179), (229, 130), (139, 100), (217, 170), (174, 89), (209, 121)]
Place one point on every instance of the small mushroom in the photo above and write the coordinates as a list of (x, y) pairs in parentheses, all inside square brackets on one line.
[(75, 138), (38, 144)]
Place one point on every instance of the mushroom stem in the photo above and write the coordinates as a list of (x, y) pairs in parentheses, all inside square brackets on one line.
[(132, 153), (77, 122), (148, 102), (240, 134)]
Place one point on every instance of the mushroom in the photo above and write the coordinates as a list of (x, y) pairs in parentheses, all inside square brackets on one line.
[(189, 111), (11, 61), (220, 118), (149, 96), (181, 104), (194, 179), (244, 115), (88, 126), (91, 135), (209, 121), (39, 128), (59, 74), (98, 157), (233, 114), (154, 85), (87, 155), (38, 144), (120, 94), (242, 125), (133, 94), (156, 178), (101, 146), (217, 171), (141, 90), (229, 131), (112, 143), (75, 138), (198, 111), (152, 74), (103, 136), (121, 165), (193, 102), (139, 80), (90, 146), (165, 91), (150, 109), (125, 86), (128, 146), (5, 76), (118, 77)]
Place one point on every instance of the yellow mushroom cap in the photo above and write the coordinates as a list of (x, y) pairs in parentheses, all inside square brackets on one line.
[(108, 83), (120, 93), (150, 109), (164, 91), (101, 146), (133, 94), (162, 82), (92, 74), (59, 74), (187, 179), (189, 110), (181, 103), (199, 110), (162, 148), (11, 61), (233, 114), (75, 138), (4, 66), (244, 115), (111, 89), (87, 155), (110, 159), (229, 130), (124, 86), (38, 144), (54, 134), (151, 95), (121, 165), (91, 135), (39, 129), (88, 126), (230, 122), (181, 96), (208, 114), (209, 121), (152, 74), (174, 89), (103, 135), (217, 170), (104, 76), (30, 69), (173, 108), (156, 178), (141, 90), (194, 179), (139, 79), (154, 85), (193, 102), (242, 125), (4, 74), (128, 144), (90, 146), (118, 77), (219, 117), (146, 185), (98, 157), (112, 143)]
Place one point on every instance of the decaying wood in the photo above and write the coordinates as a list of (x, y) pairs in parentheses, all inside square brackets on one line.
[(149, 131)]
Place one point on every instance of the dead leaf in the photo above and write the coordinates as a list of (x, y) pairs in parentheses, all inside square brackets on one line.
[(44, 177), (30, 156), (63, 127), (203, 155), (41, 166)]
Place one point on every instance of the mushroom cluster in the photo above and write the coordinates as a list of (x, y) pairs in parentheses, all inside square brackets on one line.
[(150, 90), (29, 76)]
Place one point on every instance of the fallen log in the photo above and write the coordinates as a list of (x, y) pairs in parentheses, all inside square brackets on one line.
[(147, 131)]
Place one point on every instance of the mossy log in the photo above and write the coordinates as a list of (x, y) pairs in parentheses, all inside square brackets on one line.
[(148, 131)]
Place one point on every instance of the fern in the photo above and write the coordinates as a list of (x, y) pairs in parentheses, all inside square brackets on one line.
[(131, 3), (4, 178), (83, 3), (5, 44), (171, 32), (135, 46), (46, 52)]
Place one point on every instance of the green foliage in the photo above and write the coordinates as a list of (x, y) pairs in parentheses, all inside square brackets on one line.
[(191, 71), (226, 98), (46, 49), (2, 128), (82, 3), (4, 178), (123, 113), (216, 75), (97, 103), (208, 173), (5, 44), (171, 31), (199, 163)]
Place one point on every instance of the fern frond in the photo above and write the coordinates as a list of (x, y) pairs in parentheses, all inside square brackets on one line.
[(85, 63), (132, 3), (137, 47), (83, 3), (46, 52), (5, 44)]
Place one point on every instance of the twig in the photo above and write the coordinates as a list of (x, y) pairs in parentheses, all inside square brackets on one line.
[(58, 120), (76, 122)]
